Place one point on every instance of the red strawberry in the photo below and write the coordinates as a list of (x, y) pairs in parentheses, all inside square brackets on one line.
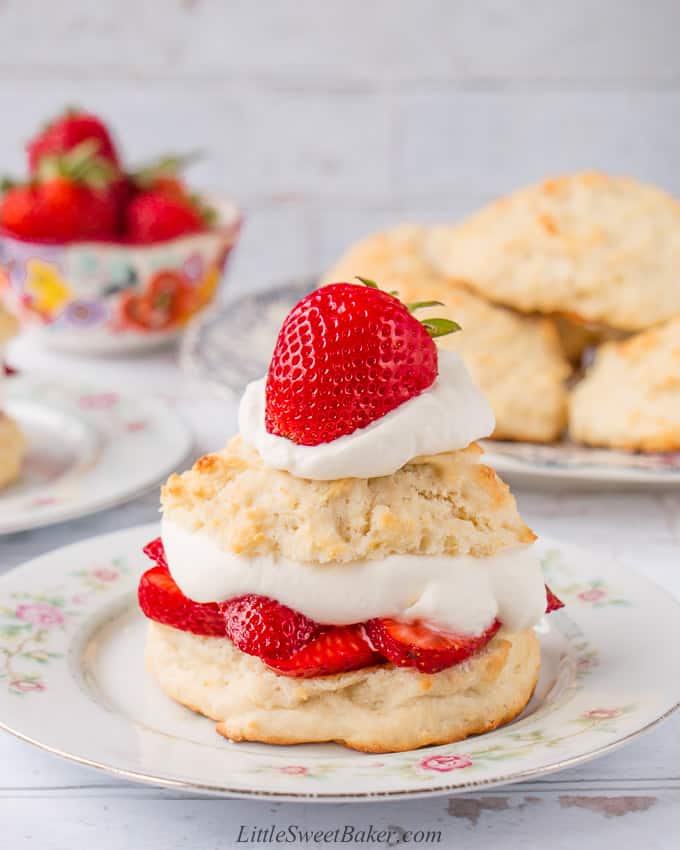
[(155, 551), (554, 604), (67, 132), (157, 216), (70, 199), (337, 650), (21, 212), (161, 600), (263, 627), (58, 211), (163, 175), (345, 356), (416, 645)]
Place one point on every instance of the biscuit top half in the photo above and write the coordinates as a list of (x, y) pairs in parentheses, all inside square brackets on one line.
[(446, 504)]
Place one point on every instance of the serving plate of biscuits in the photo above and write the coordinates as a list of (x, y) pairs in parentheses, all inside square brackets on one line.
[(72, 641)]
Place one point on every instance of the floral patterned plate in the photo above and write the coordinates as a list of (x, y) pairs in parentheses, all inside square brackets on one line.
[(231, 344), (72, 681), (88, 450)]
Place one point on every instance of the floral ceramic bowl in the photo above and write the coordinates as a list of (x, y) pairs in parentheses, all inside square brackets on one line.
[(105, 297)]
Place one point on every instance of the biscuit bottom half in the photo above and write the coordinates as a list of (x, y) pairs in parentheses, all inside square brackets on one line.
[(12, 450), (376, 709)]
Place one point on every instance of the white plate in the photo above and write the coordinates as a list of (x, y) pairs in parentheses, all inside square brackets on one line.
[(72, 682), (231, 344), (88, 450)]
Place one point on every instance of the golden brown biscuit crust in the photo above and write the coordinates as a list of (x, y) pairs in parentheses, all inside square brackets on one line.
[(9, 326), (446, 504), (600, 248), (377, 709), (12, 450), (630, 398)]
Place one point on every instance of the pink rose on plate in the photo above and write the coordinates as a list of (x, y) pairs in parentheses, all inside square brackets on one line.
[(98, 401), (39, 614), (26, 686), (592, 595), (602, 713), (105, 574), (443, 764), (294, 770)]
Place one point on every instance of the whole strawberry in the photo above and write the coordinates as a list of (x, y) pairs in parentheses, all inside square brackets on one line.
[(156, 216), (67, 132), (68, 200), (346, 355)]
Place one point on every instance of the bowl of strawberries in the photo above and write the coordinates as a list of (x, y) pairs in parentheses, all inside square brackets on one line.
[(96, 257)]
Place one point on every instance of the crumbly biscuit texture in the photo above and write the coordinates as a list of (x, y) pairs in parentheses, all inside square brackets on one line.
[(12, 450), (517, 361), (440, 504), (393, 258), (630, 398), (9, 325), (377, 709), (600, 248)]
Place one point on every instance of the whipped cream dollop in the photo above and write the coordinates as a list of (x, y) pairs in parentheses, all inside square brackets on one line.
[(447, 416), (455, 593)]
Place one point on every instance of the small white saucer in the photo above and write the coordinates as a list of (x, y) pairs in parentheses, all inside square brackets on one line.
[(87, 450)]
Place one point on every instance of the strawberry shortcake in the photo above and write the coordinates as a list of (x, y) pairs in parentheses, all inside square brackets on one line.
[(347, 569), (12, 443)]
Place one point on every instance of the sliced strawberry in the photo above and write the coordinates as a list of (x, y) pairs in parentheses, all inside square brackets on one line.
[(345, 356), (263, 627), (416, 645), (554, 604), (161, 600), (155, 551), (338, 650)]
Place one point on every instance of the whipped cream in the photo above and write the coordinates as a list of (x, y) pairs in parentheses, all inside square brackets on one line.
[(455, 593), (447, 416)]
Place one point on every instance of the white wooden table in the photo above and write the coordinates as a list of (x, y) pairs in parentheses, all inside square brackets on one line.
[(629, 799)]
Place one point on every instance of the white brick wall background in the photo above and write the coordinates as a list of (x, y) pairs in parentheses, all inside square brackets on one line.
[(328, 118)]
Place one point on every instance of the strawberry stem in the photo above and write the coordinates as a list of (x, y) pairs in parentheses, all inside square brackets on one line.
[(170, 165), (368, 282), (82, 164), (434, 327), (420, 305), (440, 327), (7, 183)]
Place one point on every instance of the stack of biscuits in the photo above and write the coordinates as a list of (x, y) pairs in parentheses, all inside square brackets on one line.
[(581, 269)]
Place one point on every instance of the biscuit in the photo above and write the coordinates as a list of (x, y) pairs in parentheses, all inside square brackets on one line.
[(448, 503), (12, 450), (376, 709), (516, 361), (9, 326), (630, 398), (599, 248)]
